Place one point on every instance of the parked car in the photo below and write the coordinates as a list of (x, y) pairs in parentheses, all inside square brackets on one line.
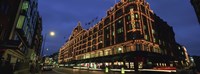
[(47, 67)]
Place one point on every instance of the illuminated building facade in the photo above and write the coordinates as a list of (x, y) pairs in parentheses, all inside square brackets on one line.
[(130, 36)]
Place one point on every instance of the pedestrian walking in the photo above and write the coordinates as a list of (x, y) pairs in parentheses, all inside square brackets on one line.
[(32, 67)]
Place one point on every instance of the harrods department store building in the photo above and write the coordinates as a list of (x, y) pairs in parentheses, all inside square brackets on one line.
[(130, 35)]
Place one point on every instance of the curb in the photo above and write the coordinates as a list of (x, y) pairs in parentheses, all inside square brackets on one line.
[(24, 71)]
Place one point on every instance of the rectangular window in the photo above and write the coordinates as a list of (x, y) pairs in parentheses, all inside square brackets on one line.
[(100, 26), (153, 31), (130, 8), (89, 38), (144, 27), (95, 30), (130, 35), (136, 16), (130, 0), (163, 43), (107, 21), (146, 37), (92, 55), (25, 29), (154, 40), (93, 47), (94, 36), (120, 21), (137, 25), (97, 54), (138, 47), (106, 53), (160, 42), (25, 5), (20, 22), (94, 42), (128, 18), (100, 39), (128, 48), (182, 53), (107, 28), (130, 27), (143, 9), (100, 45), (100, 32), (101, 53), (118, 13), (87, 55), (120, 30), (107, 36)]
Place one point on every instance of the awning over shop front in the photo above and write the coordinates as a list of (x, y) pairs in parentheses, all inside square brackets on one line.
[(130, 56), (9, 44), (144, 55)]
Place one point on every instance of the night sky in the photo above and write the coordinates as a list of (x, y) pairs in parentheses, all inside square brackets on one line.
[(61, 16)]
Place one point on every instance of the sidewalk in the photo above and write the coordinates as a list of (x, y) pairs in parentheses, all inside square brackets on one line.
[(111, 71), (25, 71)]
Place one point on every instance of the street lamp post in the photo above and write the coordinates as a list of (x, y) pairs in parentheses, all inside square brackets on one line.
[(44, 39)]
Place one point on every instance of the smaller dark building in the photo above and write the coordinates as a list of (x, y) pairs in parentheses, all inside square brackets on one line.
[(196, 5), (196, 61), (54, 56), (20, 33), (38, 38)]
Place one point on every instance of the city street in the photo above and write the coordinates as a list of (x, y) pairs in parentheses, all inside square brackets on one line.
[(99, 37), (50, 72), (77, 71)]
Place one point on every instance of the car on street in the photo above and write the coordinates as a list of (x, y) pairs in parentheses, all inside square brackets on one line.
[(47, 67)]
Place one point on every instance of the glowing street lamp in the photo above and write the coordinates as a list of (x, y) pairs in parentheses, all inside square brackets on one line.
[(44, 39), (119, 49), (52, 33)]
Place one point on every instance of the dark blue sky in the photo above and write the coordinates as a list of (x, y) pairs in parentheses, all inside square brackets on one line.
[(62, 16)]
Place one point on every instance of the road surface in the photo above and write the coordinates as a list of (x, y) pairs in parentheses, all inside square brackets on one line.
[(77, 71)]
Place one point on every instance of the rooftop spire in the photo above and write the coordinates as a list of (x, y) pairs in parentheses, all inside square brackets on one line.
[(79, 23), (79, 26)]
